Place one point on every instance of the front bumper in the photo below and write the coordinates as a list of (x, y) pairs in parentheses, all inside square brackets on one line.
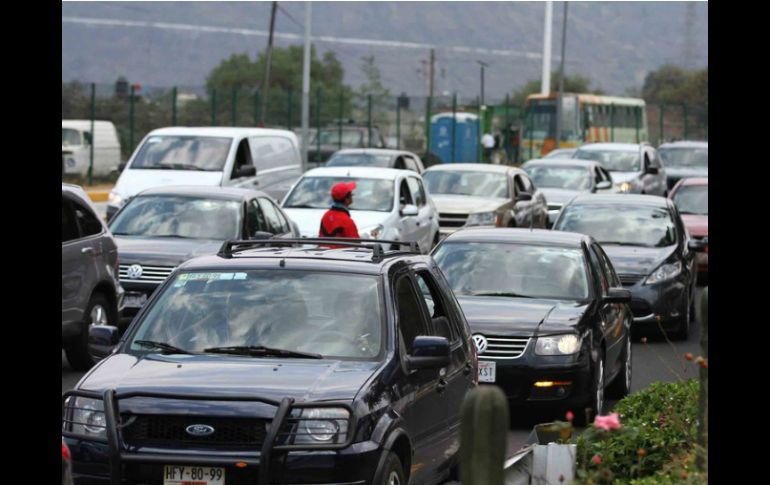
[(134, 290), (665, 302), (113, 461)]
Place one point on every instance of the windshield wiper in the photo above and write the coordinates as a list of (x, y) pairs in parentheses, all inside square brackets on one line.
[(261, 350), (181, 166), (167, 348), (621, 243), (499, 293)]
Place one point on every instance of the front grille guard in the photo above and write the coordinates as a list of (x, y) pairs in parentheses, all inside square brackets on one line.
[(118, 455)]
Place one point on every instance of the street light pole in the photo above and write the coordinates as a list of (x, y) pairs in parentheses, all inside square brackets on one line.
[(268, 58), (561, 78), (483, 65), (306, 89), (545, 80)]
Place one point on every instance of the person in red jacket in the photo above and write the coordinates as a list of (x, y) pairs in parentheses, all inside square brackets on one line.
[(336, 222)]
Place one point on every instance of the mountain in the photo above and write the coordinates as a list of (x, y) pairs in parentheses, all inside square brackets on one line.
[(614, 44)]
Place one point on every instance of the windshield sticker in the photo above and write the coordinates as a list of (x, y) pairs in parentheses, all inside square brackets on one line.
[(183, 278)]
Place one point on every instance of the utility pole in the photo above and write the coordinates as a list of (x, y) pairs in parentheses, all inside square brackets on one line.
[(306, 88), (561, 78), (432, 71), (483, 65), (269, 55), (545, 82)]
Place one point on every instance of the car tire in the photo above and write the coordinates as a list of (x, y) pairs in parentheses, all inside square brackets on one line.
[(392, 471), (621, 386), (98, 312), (682, 331), (596, 401)]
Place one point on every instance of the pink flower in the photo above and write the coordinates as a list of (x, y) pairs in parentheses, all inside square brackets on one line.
[(607, 422), (570, 416), (596, 460)]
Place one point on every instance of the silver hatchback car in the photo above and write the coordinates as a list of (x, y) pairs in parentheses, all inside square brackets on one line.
[(90, 290)]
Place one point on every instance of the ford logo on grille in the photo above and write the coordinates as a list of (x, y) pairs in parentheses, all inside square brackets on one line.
[(481, 343), (199, 430), (134, 272)]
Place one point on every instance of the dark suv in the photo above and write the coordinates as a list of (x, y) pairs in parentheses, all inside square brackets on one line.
[(280, 361)]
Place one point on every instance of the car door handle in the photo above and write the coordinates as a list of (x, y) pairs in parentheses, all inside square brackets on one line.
[(441, 386), (88, 250)]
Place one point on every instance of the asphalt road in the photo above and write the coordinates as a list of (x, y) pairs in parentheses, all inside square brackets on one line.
[(655, 360)]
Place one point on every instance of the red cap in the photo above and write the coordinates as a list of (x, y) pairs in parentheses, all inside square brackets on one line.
[(342, 189)]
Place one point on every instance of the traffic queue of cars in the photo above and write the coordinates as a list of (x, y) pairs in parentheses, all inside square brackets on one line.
[(258, 353)]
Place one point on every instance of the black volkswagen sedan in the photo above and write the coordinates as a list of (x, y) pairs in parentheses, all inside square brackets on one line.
[(549, 316), (650, 248), (165, 226)]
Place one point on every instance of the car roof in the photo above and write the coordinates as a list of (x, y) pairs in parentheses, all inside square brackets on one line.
[(472, 167), (621, 199), (214, 192), (572, 162), (520, 235), (359, 172), (373, 151), (353, 260), (685, 144), (219, 131), (611, 146)]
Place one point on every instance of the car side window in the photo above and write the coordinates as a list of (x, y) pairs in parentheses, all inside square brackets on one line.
[(399, 165), (410, 163), (69, 227), (405, 195), (271, 216), (609, 270), (255, 219), (411, 322), (597, 175), (598, 271), (440, 319), (89, 224), (519, 185), (285, 226), (528, 185), (272, 152), (242, 157), (605, 175), (647, 161), (418, 193)]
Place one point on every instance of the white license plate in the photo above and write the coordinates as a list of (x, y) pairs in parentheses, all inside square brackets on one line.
[(135, 301), (193, 475), (487, 371)]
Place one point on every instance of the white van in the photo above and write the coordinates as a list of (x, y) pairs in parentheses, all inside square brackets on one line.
[(76, 147), (259, 158)]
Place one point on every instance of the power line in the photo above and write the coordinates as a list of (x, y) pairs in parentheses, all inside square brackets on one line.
[(301, 25)]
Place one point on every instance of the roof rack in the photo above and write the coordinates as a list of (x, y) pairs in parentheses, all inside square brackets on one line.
[(229, 248)]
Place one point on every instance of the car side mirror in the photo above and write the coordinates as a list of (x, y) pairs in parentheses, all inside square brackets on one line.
[(523, 196), (246, 171), (410, 210), (102, 339), (428, 352), (652, 170), (617, 295), (261, 235), (603, 185), (698, 246)]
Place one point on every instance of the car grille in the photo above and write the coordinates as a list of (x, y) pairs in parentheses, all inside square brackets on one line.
[(159, 430), (504, 347), (630, 279), (452, 220), (150, 274)]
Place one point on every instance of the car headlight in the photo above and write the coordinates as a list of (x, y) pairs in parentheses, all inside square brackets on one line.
[(558, 345), (664, 272), (115, 199), (71, 162), (482, 219), (625, 187), (86, 417), (322, 426), (372, 232)]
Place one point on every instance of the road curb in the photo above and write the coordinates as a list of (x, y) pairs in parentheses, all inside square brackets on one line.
[(98, 195)]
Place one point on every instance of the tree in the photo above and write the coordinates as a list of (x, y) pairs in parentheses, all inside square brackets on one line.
[(373, 85), (672, 84)]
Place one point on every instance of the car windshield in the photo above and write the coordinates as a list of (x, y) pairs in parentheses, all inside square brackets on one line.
[(692, 199), (572, 178), (613, 160), (70, 137), (685, 157), (297, 311), (561, 153), (315, 193), (504, 269), (359, 159), (183, 153), (350, 138), (620, 224), (178, 216), (461, 182)]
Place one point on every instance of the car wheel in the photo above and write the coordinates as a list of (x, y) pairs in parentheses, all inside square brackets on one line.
[(621, 386), (596, 400), (682, 331), (97, 313), (393, 471)]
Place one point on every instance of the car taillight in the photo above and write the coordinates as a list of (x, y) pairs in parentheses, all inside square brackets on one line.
[(65, 452)]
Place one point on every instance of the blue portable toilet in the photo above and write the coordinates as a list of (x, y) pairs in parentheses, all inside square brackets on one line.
[(466, 148)]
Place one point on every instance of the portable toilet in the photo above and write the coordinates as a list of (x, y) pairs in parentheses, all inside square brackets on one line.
[(466, 137)]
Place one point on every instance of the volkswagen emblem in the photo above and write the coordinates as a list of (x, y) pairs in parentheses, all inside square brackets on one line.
[(481, 343), (134, 272), (199, 430)]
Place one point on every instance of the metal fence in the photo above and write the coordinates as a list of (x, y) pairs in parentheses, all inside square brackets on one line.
[(403, 120)]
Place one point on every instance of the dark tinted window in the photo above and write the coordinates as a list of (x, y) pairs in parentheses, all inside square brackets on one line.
[(255, 219), (440, 321), (598, 270), (89, 224), (620, 224), (274, 221), (612, 277), (410, 319), (69, 228)]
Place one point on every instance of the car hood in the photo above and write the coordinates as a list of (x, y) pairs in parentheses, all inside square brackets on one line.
[(560, 196), (163, 251), (525, 317), (132, 181), (620, 177), (684, 172), (302, 379), (636, 260), (465, 204), (309, 220), (697, 225)]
